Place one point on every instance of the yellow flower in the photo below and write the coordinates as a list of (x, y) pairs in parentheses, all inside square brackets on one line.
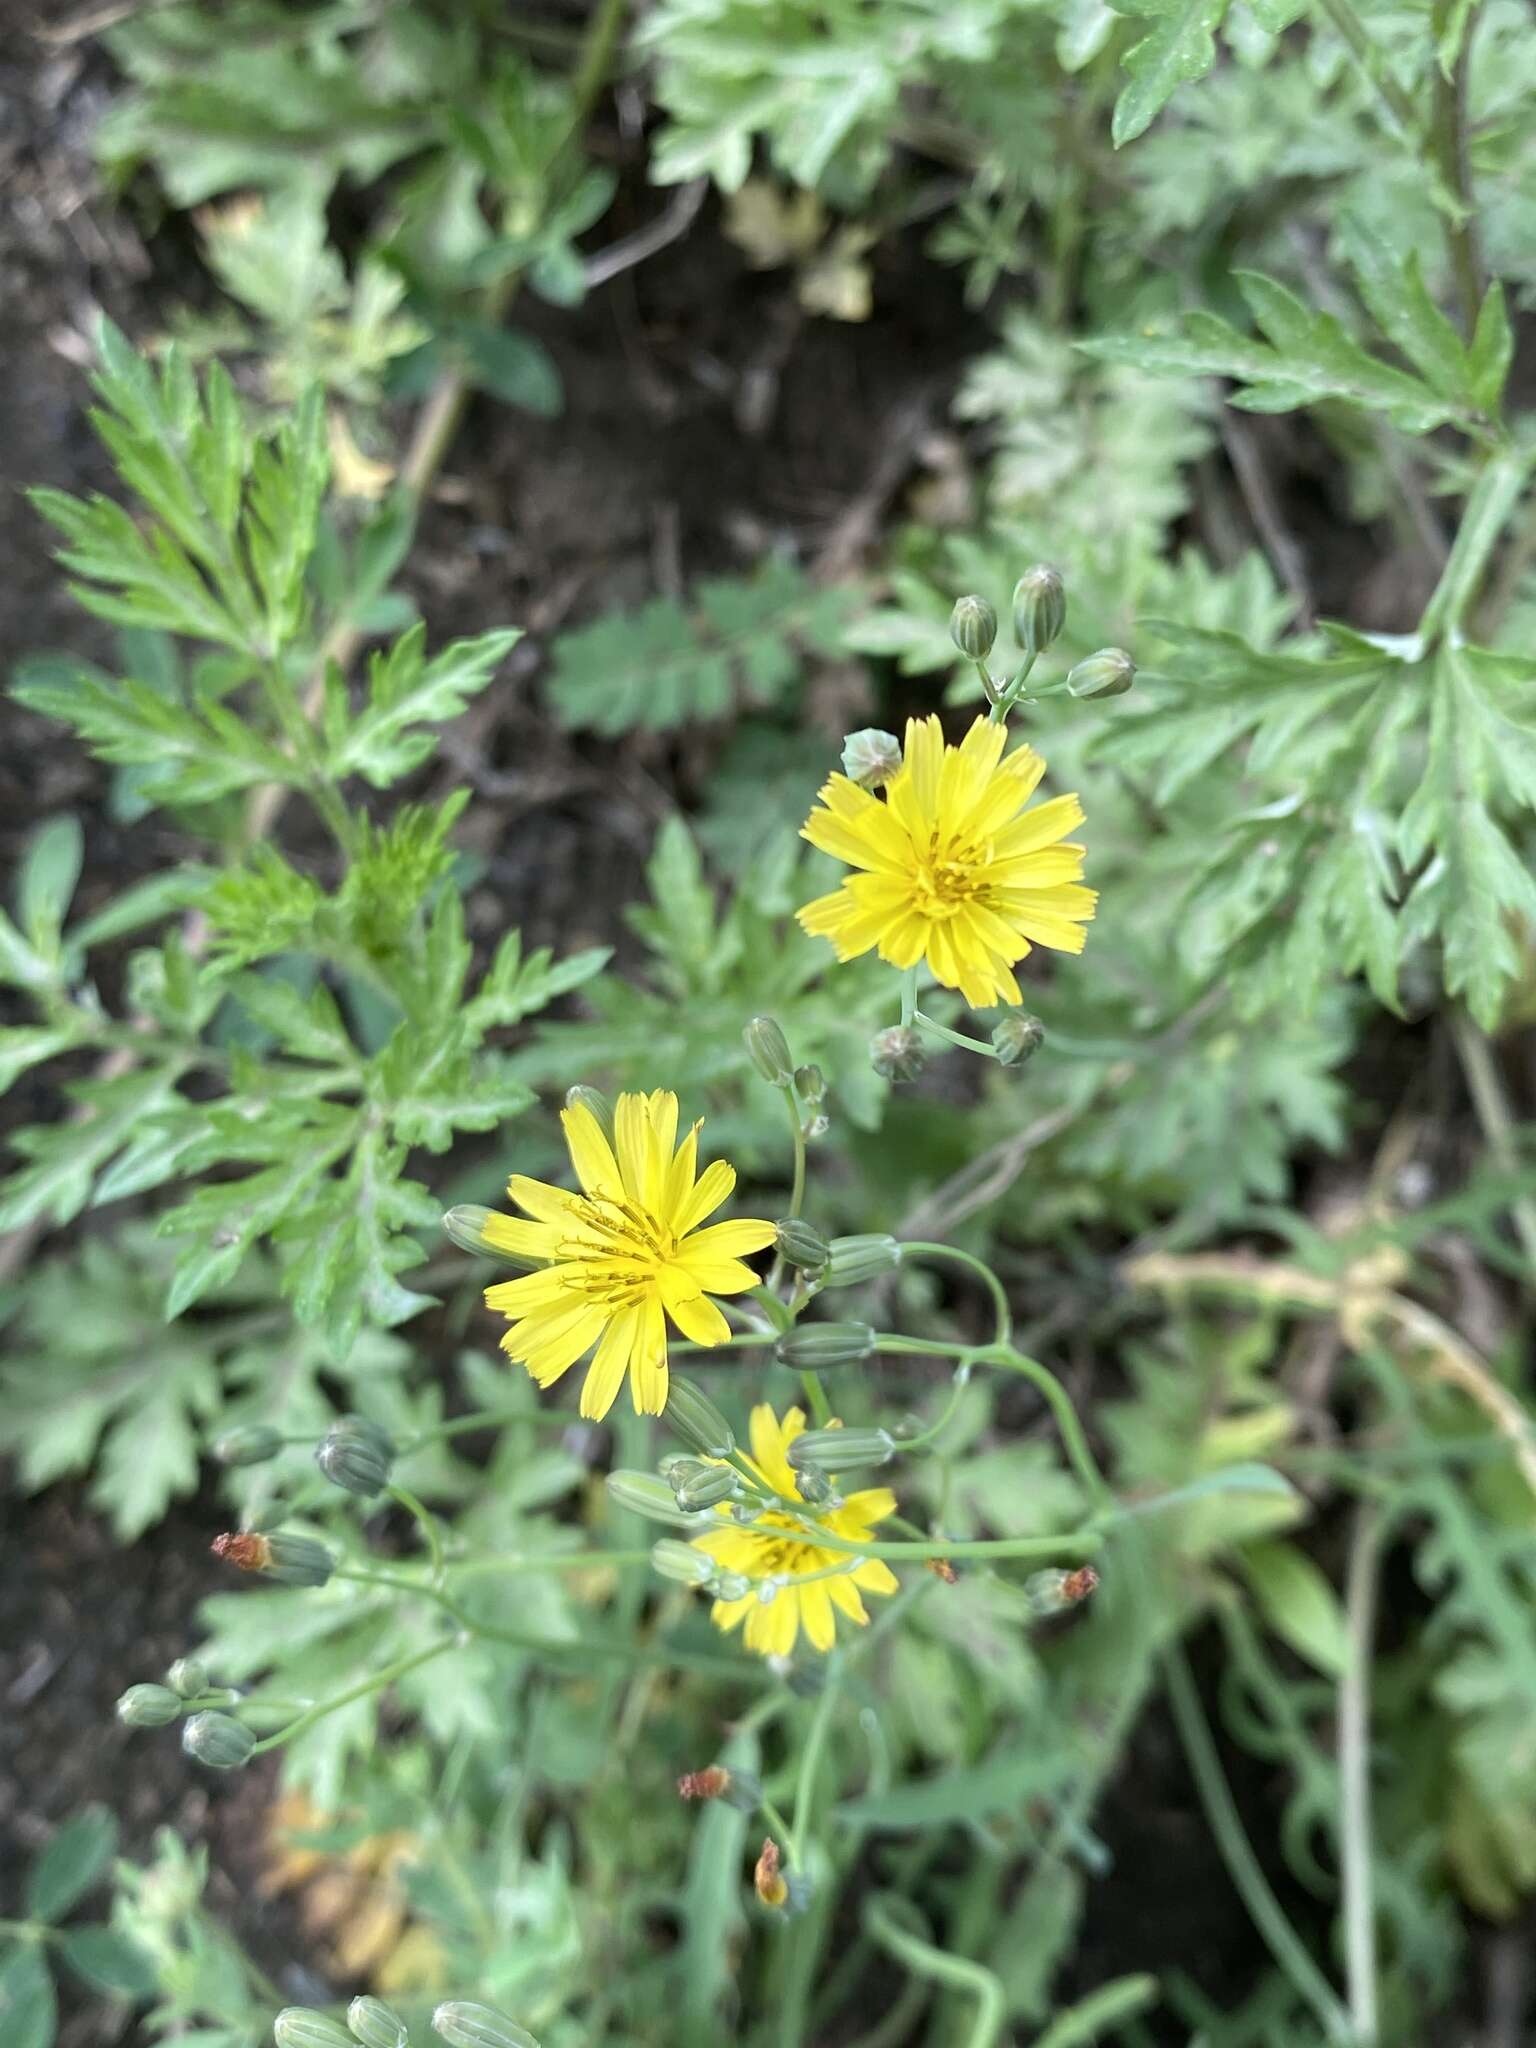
[(952, 873), (617, 1255), (775, 1547)]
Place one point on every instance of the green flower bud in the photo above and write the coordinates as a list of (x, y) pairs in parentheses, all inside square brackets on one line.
[(356, 1455), (871, 757), (853, 1260), (188, 1677), (251, 1445), (644, 1493), (476, 2026), (594, 1100), (469, 1227), (730, 1585), (1109, 673), (813, 1347), (701, 1486), (839, 1450), (694, 1416), (769, 1049), (148, 1706), (681, 1563), (810, 1085), (1039, 608), (219, 1741), (897, 1054), (297, 2027), (1017, 1039), (375, 2025), (973, 627), (800, 1243), (816, 1490)]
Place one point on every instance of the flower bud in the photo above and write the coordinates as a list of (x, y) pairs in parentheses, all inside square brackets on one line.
[(768, 1878), (376, 2025), (593, 1099), (188, 1677), (297, 2027), (836, 1450), (853, 1260), (705, 1486), (730, 1586), (897, 1054), (871, 757), (251, 1445), (1053, 1591), (973, 627), (1109, 673), (810, 1085), (356, 1455), (148, 1706), (219, 1741), (811, 1347), (1017, 1038), (681, 1563), (290, 1560), (816, 1490), (476, 2026), (694, 1416), (800, 1243), (769, 1049), (644, 1493), (738, 1788), (1039, 608)]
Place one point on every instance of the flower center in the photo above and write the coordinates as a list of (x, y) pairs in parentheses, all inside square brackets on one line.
[(784, 1556), (947, 877), (617, 1264)]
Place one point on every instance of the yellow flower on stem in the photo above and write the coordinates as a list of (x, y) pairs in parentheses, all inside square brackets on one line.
[(622, 1255), (776, 1547), (953, 869)]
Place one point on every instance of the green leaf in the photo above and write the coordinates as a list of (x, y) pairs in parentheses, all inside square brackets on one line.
[(1303, 358), (1393, 288), (1298, 1604), (405, 691), (67, 1156), (742, 638), (514, 367), (515, 988), (1491, 353), (109, 1962), (1180, 48), (1004, 1784), (49, 872), (28, 2009), (72, 1862)]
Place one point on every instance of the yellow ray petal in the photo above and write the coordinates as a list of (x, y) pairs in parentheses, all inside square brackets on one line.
[(713, 1186), (591, 1154), (610, 1362)]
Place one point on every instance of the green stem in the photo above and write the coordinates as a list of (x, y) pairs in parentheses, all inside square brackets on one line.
[(1403, 115), (1073, 1543), (923, 1959), (426, 1521), (1354, 1718), (1011, 693), (960, 1038), (375, 1682), (1492, 500), (810, 1765), (797, 1187), (908, 997), (1486, 1087), (1073, 1436), (1110, 2006), (1448, 145), (1264, 1909), (919, 1248)]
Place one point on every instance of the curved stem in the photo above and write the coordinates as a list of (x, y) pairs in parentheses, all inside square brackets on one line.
[(810, 1766), (375, 1682), (426, 1522), (921, 1249), (960, 1038), (1073, 1436), (923, 1959), (1486, 1087), (1264, 1909), (1360, 1590)]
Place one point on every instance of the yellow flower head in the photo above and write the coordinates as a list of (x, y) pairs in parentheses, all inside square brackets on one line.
[(954, 871), (622, 1255), (774, 1547)]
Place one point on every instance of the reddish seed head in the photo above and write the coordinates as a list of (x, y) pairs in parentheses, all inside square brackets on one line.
[(712, 1783), (771, 1888), (1079, 1584), (247, 1552), (942, 1569)]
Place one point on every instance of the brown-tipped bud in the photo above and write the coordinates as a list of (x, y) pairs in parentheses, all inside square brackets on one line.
[(1054, 1591), (1039, 608), (1017, 1038), (871, 757), (1109, 673), (897, 1054), (942, 1569), (973, 627), (148, 1706), (290, 1560), (737, 1788), (801, 1244), (768, 1877), (769, 1050)]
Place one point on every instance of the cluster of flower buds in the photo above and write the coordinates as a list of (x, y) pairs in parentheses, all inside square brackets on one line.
[(1039, 614), (287, 1559), (736, 1787), (806, 1085), (208, 1736), (373, 2024), (357, 1455)]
